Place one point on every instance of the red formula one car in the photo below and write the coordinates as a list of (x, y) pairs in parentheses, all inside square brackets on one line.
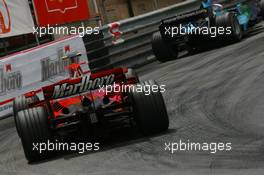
[(80, 106)]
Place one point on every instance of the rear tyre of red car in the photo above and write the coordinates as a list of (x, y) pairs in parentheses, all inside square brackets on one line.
[(161, 50), (22, 102), (229, 20), (34, 129), (150, 112)]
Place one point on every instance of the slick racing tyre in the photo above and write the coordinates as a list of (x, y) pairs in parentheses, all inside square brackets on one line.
[(21, 103), (229, 20), (161, 50), (150, 112), (34, 128)]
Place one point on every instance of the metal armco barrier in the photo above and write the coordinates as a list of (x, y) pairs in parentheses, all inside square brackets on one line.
[(128, 42)]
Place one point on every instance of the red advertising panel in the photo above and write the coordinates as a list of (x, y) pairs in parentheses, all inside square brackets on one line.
[(52, 12)]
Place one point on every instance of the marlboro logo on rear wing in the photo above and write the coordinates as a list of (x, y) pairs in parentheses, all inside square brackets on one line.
[(70, 87)]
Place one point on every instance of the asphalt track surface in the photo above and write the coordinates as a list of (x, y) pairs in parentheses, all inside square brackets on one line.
[(213, 96)]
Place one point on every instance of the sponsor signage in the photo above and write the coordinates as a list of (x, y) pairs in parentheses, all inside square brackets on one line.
[(53, 12), (15, 18), (76, 86), (32, 69), (9, 80)]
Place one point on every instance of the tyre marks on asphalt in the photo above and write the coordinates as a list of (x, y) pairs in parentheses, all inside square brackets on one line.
[(214, 96)]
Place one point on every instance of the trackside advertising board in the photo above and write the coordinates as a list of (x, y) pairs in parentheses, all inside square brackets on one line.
[(53, 12), (15, 18), (32, 69)]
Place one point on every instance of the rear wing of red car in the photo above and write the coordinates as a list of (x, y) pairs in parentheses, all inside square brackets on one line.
[(70, 87)]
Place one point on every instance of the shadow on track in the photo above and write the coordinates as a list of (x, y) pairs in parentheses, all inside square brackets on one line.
[(117, 139)]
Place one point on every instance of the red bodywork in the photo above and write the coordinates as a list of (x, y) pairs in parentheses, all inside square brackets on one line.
[(68, 99)]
